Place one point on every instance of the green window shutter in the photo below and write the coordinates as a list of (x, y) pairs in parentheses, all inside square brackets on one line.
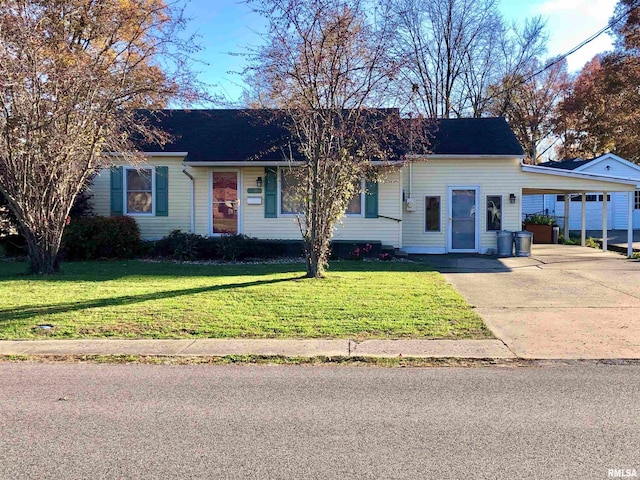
[(371, 200), (162, 191), (270, 192), (117, 195)]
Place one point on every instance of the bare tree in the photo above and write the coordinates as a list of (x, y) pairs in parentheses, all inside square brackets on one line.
[(324, 67), (451, 51), (70, 73)]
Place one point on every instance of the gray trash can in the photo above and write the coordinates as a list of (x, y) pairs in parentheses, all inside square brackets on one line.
[(505, 243), (523, 243), (556, 235)]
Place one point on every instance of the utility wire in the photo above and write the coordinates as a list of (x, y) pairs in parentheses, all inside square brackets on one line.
[(557, 60)]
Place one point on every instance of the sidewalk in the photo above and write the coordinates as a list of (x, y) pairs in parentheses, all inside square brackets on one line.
[(267, 347)]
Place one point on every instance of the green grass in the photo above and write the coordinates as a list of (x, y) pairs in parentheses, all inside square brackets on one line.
[(135, 299)]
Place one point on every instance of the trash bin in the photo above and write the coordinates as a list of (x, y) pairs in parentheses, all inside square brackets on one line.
[(523, 242), (505, 243), (555, 235)]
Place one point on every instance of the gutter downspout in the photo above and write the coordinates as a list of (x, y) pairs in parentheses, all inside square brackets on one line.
[(193, 200), (410, 179)]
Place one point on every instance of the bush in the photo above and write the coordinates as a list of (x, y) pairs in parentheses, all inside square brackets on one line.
[(540, 219), (178, 245), (238, 247), (13, 246), (349, 250), (188, 246), (94, 238)]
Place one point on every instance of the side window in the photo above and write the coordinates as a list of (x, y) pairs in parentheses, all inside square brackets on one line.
[(139, 190), (432, 214), (494, 212), (354, 207), (636, 203)]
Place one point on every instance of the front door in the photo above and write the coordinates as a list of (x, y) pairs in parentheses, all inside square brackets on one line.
[(225, 203), (463, 219)]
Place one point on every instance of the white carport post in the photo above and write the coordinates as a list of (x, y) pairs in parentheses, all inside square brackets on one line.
[(583, 224), (604, 221), (631, 198), (566, 216)]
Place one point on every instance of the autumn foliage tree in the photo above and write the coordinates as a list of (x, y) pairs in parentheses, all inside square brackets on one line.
[(601, 113), (70, 73), (323, 66)]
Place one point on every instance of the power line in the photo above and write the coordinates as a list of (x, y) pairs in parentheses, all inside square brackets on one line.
[(557, 60), (611, 24)]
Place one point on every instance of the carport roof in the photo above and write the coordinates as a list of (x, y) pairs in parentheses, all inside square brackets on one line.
[(604, 182)]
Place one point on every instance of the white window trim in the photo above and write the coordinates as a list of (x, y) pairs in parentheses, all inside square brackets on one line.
[(486, 211), (424, 216), (125, 192), (636, 194)]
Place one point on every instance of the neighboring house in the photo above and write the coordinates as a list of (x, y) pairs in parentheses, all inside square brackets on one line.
[(608, 165), (223, 174)]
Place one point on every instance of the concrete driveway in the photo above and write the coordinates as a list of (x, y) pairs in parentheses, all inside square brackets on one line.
[(562, 302)]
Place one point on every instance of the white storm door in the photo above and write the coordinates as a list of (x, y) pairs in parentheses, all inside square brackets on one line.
[(463, 235)]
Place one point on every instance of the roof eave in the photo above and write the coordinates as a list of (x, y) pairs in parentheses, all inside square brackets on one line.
[(445, 156), (149, 154), (573, 174)]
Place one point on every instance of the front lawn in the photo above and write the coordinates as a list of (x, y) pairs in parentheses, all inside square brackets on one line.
[(166, 300)]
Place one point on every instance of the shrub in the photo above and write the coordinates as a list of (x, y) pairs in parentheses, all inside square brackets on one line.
[(540, 219), (93, 238), (188, 246), (13, 245), (592, 242), (349, 250), (179, 246), (238, 247)]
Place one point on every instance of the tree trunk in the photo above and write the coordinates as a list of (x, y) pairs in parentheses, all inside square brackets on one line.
[(43, 254), (316, 255), (316, 261)]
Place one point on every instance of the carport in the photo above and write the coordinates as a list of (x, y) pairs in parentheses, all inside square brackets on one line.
[(543, 180)]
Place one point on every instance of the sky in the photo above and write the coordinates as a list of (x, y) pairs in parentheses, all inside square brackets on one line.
[(227, 27)]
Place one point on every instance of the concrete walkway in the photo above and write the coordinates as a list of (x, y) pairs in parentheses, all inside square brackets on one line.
[(565, 302), (289, 348)]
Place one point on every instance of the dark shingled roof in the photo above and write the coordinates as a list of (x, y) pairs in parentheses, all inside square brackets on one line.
[(246, 135), (475, 136), (570, 164), (218, 135)]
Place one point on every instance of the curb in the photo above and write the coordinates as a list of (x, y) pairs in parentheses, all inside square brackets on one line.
[(468, 349)]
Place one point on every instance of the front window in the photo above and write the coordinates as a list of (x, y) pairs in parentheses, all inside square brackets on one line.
[(494, 212), (290, 202), (636, 203), (139, 190), (432, 214)]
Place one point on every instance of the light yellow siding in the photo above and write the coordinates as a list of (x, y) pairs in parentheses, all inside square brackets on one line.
[(152, 227), (251, 217), (492, 177), (253, 222)]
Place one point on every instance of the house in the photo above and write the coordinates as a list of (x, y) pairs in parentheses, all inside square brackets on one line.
[(617, 203), (223, 173)]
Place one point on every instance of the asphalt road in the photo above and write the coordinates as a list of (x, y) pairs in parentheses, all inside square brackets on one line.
[(84, 421)]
